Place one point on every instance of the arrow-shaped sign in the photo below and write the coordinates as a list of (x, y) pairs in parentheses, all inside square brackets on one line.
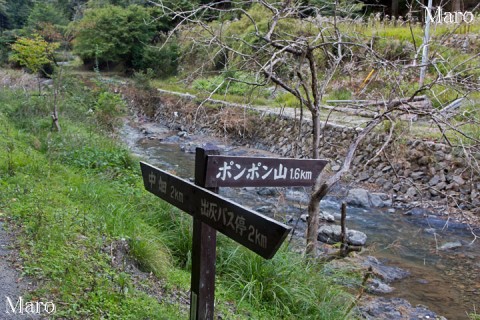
[(253, 230)]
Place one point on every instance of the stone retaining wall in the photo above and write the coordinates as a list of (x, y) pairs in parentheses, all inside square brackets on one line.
[(408, 170)]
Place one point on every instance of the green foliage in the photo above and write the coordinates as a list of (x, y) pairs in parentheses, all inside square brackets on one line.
[(112, 34), (17, 12), (77, 194), (33, 53), (287, 99), (143, 78), (340, 94), (163, 61), (43, 13), (108, 109), (120, 3), (474, 316), (48, 20), (342, 8), (70, 221), (6, 40), (244, 29), (289, 285), (394, 49)]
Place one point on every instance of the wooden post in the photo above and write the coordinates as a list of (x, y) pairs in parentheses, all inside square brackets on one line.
[(395, 8), (202, 292), (426, 40), (343, 234)]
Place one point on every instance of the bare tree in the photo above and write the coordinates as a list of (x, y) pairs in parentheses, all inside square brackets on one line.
[(299, 49)]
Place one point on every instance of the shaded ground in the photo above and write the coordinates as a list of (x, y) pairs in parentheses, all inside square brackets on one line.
[(11, 283)]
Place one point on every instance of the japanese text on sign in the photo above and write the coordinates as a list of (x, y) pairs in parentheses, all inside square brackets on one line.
[(235, 222), (259, 233), (257, 171), (234, 171)]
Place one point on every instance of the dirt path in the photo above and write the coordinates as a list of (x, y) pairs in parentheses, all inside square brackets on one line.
[(11, 286), (334, 117)]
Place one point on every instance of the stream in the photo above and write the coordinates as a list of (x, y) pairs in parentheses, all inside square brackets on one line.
[(447, 281)]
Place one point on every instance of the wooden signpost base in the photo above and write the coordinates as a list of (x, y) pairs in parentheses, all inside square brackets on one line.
[(204, 246)]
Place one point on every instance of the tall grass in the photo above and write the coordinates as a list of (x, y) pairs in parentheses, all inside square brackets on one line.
[(292, 287)]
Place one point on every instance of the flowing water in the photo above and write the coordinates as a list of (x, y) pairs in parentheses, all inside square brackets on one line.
[(447, 281)]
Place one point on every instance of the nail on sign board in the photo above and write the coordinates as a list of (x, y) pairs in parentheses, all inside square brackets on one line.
[(230, 171), (253, 230)]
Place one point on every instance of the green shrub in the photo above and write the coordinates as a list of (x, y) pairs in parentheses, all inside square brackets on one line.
[(340, 94), (474, 316), (143, 78), (108, 109), (113, 34), (287, 99), (6, 39), (162, 61)]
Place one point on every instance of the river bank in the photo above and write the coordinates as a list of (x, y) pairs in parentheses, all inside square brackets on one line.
[(423, 175), (412, 244)]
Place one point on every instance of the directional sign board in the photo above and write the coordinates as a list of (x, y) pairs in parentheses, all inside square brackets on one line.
[(229, 171), (255, 231)]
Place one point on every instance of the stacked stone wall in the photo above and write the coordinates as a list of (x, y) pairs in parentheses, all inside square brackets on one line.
[(408, 170)]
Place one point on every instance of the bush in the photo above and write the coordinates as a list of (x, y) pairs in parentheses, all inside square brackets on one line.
[(340, 94), (289, 285), (108, 108), (162, 61), (125, 36), (143, 78), (35, 53), (113, 34)]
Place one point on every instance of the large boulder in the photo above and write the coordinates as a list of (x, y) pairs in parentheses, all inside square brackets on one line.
[(380, 200), (394, 309), (363, 198), (358, 197), (331, 234), (384, 272)]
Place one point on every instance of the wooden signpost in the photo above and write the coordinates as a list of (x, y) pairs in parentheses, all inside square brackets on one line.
[(212, 212)]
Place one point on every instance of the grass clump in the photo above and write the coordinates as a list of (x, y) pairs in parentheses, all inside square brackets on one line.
[(293, 287)]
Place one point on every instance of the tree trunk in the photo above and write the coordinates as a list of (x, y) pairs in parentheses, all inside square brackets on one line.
[(314, 204), (313, 219), (324, 183), (395, 8), (55, 123), (457, 5), (316, 134)]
